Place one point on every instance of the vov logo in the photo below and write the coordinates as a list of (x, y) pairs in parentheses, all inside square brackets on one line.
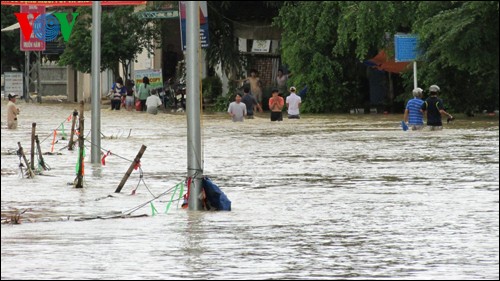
[(46, 26)]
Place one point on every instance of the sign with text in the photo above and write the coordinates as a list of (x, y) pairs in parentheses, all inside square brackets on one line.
[(203, 24), (46, 27), (14, 83), (31, 42), (406, 47), (154, 75), (261, 46)]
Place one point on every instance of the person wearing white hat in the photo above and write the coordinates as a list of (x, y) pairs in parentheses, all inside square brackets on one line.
[(293, 104), (413, 116), (12, 111)]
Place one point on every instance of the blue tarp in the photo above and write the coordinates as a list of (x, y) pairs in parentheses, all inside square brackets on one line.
[(215, 196)]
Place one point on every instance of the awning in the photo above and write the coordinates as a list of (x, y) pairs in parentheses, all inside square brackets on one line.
[(16, 25), (384, 63), (256, 31), (12, 27)]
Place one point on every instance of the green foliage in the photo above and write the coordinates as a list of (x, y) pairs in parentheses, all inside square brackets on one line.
[(123, 36), (222, 102), (212, 87), (460, 42), (223, 46), (11, 53), (323, 42), (313, 48)]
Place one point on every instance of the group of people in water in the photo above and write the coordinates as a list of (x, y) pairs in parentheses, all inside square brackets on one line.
[(244, 106), (251, 100), (432, 107), (145, 98)]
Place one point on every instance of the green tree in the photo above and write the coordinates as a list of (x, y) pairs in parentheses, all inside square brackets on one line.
[(123, 36), (223, 47), (324, 41), (11, 53), (460, 43)]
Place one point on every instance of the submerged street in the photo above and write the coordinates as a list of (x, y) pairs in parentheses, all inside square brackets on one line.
[(323, 197)]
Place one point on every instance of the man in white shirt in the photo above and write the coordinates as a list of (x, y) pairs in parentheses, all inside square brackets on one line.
[(293, 104), (12, 111), (152, 103), (237, 110)]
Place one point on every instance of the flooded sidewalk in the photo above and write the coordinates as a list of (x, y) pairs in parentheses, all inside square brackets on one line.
[(323, 197)]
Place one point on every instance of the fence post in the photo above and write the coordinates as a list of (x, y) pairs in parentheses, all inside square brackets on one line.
[(79, 175), (71, 143), (30, 171), (33, 130), (137, 160)]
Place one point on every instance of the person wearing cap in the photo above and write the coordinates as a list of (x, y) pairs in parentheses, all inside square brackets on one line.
[(433, 108), (413, 116), (152, 103), (12, 111), (276, 104), (293, 104)]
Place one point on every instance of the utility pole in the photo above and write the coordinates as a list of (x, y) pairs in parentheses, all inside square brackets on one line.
[(195, 168), (96, 83)]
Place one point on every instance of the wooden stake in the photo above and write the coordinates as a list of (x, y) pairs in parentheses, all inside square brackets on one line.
[(137, 160), (33, 130), (40, 156), (30, 171), (71, 143), (79, 176)]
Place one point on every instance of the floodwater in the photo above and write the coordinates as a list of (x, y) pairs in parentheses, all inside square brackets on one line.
[(323, 197)]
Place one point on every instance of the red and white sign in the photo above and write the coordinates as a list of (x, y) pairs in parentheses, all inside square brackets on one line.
[(33, 44)]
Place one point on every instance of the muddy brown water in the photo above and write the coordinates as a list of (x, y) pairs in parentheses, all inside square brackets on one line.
[(323, 197)]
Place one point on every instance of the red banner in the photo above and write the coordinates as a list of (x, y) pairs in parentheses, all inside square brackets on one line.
[(29, 42), (71, 3)]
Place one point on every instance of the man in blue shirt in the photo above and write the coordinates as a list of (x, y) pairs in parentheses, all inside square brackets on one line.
[(250, 101), (434, 107), (413, 116)]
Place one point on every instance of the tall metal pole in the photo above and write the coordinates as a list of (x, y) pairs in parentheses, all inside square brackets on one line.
[(96, 83), (26, 94), (414, 74), (38, 77), (195, 169)]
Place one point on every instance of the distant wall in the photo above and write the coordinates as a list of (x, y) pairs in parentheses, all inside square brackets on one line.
[(54, 80)]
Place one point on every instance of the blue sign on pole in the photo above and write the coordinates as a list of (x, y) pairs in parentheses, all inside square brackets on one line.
[(203, 24), (406, 47)]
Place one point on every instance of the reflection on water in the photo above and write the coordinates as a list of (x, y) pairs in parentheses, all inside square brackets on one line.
[(317, 198)]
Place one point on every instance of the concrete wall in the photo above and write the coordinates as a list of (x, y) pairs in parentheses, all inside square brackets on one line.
[(54, 80), (85, 83)]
